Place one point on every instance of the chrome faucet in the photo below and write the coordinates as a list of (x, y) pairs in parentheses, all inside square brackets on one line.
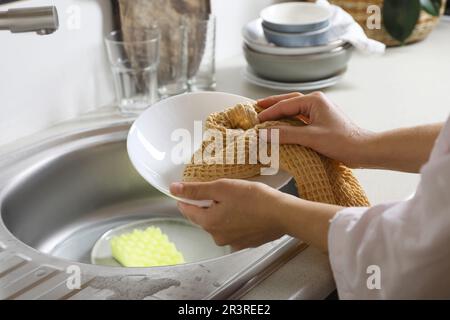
[(42, 20)]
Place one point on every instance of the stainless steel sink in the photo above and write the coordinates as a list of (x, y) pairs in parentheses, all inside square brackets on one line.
[(59, 194)]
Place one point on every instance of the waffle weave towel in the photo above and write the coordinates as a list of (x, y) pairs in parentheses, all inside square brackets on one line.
[(318, 178)]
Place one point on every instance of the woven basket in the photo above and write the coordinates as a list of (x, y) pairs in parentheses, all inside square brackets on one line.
[(358, 9)]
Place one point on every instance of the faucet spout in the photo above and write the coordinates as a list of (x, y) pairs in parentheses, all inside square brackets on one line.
[(42, 20)]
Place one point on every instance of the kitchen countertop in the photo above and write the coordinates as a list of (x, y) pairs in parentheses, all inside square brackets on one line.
[(407, 86)]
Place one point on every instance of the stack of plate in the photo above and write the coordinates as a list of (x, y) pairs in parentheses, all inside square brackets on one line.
[(290, 48)]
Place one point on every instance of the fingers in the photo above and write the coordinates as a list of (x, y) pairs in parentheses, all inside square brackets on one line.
[(213, 190), (208, 219), (195, 214), (270, 101), (294, 135), (300, 105), (194, 190), (303, 118)]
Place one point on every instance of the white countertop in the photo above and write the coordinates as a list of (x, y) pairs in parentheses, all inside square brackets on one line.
[(407, 86)]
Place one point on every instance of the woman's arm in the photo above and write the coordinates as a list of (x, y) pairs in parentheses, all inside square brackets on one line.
[(257, 214), (397, 250), (331, 133), (405, 149)]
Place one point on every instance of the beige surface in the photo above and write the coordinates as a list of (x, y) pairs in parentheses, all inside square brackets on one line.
[(306, 276)]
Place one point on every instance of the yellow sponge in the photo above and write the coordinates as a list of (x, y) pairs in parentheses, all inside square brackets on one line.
[(145, 248)]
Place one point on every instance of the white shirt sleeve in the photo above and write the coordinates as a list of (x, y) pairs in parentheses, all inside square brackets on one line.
[(406, 244)]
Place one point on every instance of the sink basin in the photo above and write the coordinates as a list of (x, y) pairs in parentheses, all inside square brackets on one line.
[(60, 194), (63, 205)]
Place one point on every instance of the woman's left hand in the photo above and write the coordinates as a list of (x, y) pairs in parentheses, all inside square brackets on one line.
[(244, 214)]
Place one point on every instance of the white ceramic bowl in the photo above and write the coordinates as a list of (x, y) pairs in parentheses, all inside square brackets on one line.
[(299, 68), (254, 37), (150, 144), (299, 39), (295, 17)]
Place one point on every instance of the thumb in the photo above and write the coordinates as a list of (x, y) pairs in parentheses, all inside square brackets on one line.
[(194, 190), (293, 135)]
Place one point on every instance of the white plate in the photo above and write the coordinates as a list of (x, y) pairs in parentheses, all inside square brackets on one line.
[(150, 142), (251, 77), (254, 37)]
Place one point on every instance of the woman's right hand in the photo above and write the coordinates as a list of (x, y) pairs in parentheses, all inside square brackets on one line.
[(329, 131)]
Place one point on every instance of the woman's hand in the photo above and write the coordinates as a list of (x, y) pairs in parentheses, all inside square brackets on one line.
[(244, 214), (332, 134), (247, 214), (328, 132)]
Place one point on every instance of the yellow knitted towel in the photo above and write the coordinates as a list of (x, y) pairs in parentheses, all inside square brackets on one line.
[(318, 178)]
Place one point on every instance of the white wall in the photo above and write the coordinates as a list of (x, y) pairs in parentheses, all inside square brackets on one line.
[(48, 79), (231, 16)]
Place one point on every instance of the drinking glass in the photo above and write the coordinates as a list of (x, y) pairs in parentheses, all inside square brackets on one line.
[(202, 62), (134, 58), (172, 71)]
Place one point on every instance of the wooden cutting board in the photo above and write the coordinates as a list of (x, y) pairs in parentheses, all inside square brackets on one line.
[(137, 15)]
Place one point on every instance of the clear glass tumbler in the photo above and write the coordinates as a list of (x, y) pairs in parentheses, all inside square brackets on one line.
[(134, 59), (172, 71), (202, 51)]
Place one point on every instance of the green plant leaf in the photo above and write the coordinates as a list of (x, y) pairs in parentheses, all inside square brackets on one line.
[(432, 7), (400, 17)]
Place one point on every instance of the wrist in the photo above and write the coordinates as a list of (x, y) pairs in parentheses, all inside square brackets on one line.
[(291, 208), (276, 209), (308, 221), (363, 148)]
